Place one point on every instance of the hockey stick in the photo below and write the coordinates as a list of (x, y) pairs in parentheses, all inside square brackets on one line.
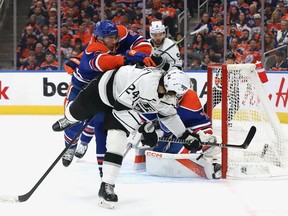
[(244, 145), (25, 197), (202, 28)]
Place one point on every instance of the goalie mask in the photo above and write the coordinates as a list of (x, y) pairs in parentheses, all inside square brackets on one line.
[(157, 32), (177, 81)]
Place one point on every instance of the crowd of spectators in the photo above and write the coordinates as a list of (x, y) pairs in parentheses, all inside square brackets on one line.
[(37, 48), (39, 38), (243, 32)]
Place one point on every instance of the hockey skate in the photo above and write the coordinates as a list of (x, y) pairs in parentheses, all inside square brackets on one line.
[(62, 124), (217, 171), (81, 150), (107, 197), (68, 157)]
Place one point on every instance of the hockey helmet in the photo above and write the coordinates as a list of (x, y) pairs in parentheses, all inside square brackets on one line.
[(156, 27), (230, 55), (177, 81), (105, 28)]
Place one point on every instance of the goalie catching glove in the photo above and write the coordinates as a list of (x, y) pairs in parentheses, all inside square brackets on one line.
[(192, 139), (149, 135), (132, 57)]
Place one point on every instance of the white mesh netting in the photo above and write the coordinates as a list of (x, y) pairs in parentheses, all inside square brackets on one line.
[(247, 105)]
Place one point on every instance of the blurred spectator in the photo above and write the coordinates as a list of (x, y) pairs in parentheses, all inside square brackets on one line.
[(87, 8), (65, 34), (169, 17), (71, 13), (250, 15), (66, 50), (38, 4), (83, 35), (244, 39), (243, 7), (32, 22), (72, 27), (28, 30), (215, 11), (256, 29), (280, 62), (50, 63), (268, 43), (30, 63), (53, 28), (253, 54), (52, 12), (217, 49), (46, 33), (78, 46), (242, 23), (195, 65), (205, 61), (205, 20), (88, 24), (234, 47), (118, 16), (40, 19), (274, 24), (179, 36), (268, 12), (40, 54), (45, 41), (233, 16), (199, 46), (282, 34), (24, 48), (155, 15), (136, 28)]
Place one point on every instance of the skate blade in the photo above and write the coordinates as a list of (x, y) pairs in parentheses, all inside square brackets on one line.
[(106, 204)]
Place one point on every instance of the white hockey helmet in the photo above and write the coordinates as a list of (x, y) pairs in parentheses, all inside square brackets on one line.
[(156, 27), (177, 81)]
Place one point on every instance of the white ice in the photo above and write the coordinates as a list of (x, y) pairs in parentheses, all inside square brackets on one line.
[(29, 147)]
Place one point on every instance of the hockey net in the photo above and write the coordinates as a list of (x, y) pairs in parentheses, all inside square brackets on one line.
[(236, 100)]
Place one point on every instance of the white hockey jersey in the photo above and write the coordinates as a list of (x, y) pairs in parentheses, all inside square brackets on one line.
[(172, 55), (136, 89)]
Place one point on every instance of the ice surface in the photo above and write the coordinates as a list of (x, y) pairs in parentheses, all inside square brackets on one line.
[(29, 147)]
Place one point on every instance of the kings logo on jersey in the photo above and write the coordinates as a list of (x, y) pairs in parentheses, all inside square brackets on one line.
[(145, 108)]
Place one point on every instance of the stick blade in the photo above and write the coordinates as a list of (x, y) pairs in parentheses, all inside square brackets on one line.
[(249, 137), (9, 199)]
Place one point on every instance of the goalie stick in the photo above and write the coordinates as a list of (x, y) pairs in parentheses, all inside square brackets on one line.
[(26, 196), (244, 145), (202, 28)]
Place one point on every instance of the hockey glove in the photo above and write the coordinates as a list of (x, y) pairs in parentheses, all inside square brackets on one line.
[(160, 62), (149, 134), (71, 64), (192, 139), (132, 57), (206, 138)]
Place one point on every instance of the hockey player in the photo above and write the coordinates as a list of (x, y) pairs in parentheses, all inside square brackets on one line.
[(110, 47), (129, 91), (164, 46), (196, 120), (169, 59)]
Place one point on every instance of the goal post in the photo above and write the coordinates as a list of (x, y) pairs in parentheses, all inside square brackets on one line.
[(236, 100)]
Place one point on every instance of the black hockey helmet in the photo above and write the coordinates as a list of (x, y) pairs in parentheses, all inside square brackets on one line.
[(230, 55)]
